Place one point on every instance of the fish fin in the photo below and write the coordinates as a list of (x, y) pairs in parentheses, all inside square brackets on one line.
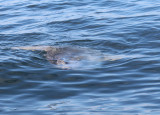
[(33, 48)]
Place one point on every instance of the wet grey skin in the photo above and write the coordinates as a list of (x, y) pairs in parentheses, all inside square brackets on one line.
[(63, 56)]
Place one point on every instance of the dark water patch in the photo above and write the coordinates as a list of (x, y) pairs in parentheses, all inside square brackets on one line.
[(8, 27), (51, 6), (39, 6), (67, 25), (70, 22), (23, 39)]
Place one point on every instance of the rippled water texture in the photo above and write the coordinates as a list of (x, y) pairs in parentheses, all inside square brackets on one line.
[(29, 84)]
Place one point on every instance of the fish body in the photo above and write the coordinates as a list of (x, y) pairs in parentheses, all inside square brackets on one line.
[(72, 57)]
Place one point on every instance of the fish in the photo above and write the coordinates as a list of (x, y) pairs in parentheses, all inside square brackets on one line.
[(68, 57)]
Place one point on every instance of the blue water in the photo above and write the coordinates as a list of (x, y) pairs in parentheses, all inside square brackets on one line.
[(29, 84)]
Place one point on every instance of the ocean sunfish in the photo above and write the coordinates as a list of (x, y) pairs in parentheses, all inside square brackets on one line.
[(70, 57)]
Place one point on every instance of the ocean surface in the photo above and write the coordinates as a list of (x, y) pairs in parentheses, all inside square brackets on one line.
[(31, 85)]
